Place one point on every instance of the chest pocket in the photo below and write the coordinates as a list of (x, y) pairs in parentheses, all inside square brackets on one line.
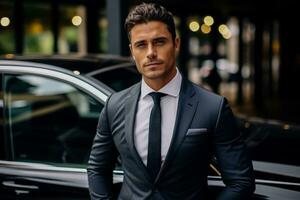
[(196, 135)]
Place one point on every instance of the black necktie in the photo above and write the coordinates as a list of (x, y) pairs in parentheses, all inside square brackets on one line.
[(154, 143)]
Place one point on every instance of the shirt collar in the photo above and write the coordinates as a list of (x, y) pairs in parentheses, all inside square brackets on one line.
[(172, 88)]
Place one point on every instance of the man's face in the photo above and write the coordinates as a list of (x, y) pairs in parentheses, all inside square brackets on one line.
[(154, 51)]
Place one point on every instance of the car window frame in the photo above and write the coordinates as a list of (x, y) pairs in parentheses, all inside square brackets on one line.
[(83, 84)]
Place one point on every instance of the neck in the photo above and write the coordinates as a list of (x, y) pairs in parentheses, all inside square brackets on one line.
[(158, 83)]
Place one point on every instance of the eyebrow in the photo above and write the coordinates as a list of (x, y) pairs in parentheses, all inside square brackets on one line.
[(154, 39), (138, 42), (160, 38)]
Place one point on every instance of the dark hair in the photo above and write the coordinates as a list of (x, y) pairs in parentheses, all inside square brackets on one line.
[(147, 12)]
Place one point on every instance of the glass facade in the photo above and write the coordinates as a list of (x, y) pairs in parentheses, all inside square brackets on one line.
[(38, 37), (72, 29), (246, 57), (7, 42)]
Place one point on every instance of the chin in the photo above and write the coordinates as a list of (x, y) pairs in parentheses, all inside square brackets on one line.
[(153, 74)]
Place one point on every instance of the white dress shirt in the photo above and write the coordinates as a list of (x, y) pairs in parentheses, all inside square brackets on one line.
[(169, 104)]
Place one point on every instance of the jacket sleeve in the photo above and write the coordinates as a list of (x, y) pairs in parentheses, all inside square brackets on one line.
[(234, 162), (102, 160)]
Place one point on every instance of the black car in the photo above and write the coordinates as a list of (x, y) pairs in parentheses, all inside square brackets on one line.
[(49, 111)]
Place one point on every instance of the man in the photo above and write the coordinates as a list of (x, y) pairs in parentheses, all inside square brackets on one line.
[(165, 129)]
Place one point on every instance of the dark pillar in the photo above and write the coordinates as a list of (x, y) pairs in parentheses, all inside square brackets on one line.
[(183, 53), (289, 67), (214, 78), (19, 28), (93, 40), (55, 24), (117, 11), (258, 48), (290, 58), (241, 62), (270, 57)]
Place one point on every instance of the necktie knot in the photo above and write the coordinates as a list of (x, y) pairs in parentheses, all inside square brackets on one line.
[(156, 96)]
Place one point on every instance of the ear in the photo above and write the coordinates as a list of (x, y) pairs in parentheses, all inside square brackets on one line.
[(130, 47), (177, 44)]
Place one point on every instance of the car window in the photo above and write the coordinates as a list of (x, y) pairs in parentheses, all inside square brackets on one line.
[(2, 148), (48, 120), (271, 141), (119, 78)]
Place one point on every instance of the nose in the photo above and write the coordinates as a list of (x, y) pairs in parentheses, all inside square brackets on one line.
[(151, 53)]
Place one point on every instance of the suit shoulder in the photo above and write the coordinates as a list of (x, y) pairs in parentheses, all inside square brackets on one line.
[(119, 97), (207, 94)]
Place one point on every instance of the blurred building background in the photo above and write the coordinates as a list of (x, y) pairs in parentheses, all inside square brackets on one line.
[(248, 51)]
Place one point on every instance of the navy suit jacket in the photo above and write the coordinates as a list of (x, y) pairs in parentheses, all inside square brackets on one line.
[(205, 126)]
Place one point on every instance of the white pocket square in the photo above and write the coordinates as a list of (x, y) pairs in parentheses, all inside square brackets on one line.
[(196, 131)]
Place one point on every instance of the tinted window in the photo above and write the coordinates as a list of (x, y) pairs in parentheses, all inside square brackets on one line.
[(48, 120), (272, 141), (120, 78), (2, 149)]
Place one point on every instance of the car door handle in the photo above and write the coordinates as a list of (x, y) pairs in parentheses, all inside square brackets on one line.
[(19, 186)]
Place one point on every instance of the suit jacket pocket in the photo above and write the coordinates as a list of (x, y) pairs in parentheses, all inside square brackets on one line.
[(196, 135), (197, 131)]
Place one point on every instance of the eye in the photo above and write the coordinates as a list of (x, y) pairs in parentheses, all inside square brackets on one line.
[(160, 42), (140, 45)]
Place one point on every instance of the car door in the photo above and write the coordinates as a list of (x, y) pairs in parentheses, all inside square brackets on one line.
[(49, 121)]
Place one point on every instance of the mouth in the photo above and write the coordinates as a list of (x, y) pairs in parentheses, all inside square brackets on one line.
[(149, 64)]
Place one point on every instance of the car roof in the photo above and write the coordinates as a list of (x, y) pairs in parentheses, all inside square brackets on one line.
[(44, 66), (85, 63)]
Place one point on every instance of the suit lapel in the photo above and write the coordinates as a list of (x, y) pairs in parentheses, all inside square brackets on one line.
[(186, 109), (130, 113)]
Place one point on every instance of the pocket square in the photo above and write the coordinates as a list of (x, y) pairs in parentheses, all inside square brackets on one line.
[(197, 131)]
